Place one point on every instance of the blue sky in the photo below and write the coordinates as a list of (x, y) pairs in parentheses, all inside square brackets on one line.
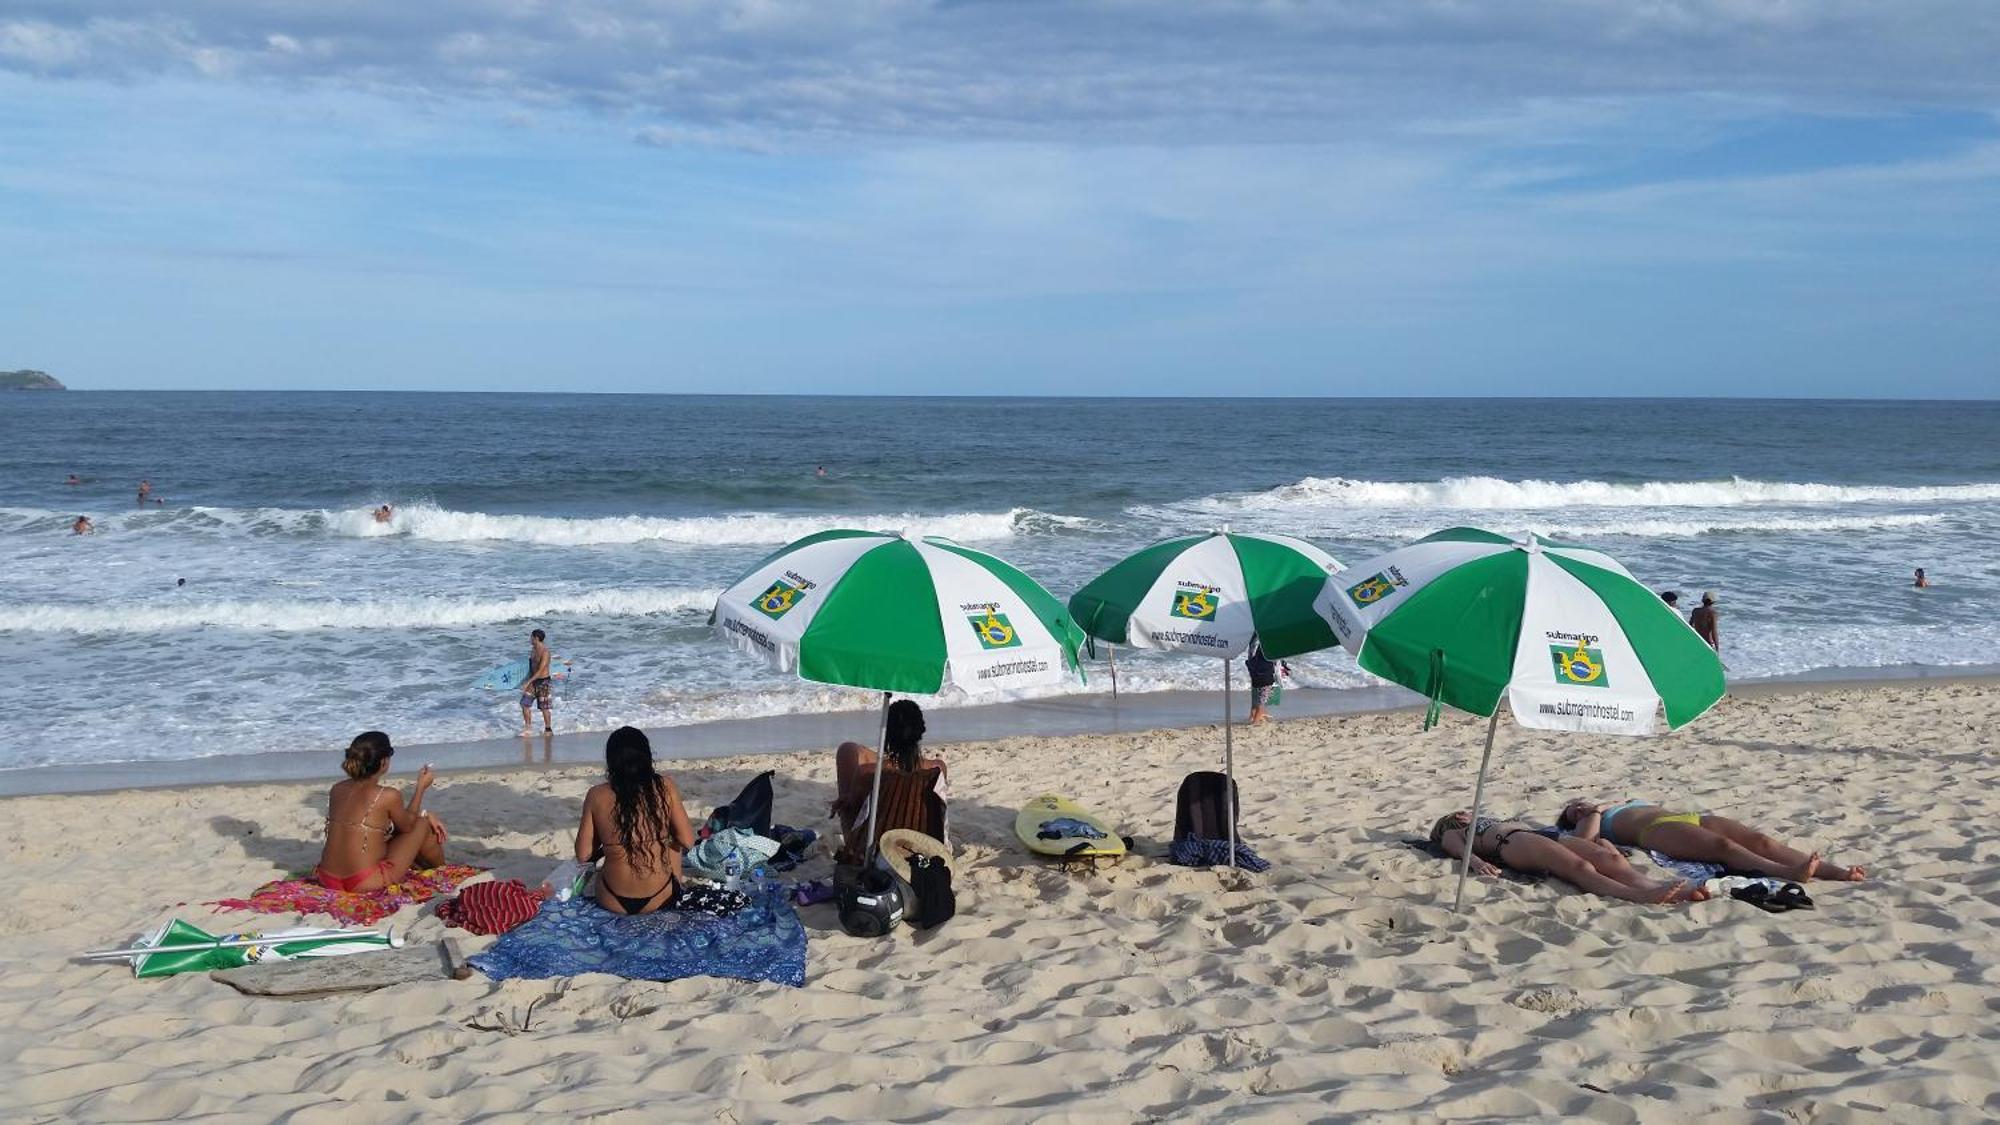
[(1685, 197)]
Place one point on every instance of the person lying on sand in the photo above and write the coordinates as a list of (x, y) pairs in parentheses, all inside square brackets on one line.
[(1592, 865), (370, 831), (1697, 836), (637, 821)]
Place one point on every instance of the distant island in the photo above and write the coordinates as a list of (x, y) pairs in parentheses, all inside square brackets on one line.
[(29, 381)]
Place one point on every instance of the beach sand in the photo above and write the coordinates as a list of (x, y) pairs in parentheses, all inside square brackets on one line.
[(1338, 984)]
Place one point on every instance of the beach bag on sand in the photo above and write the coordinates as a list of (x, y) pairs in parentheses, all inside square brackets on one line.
[(751, 809), (922, 866), (930, 886), (870, 902), (1200, 810)]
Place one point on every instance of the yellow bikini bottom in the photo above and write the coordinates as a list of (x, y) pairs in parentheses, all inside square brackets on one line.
[(1668, 818)]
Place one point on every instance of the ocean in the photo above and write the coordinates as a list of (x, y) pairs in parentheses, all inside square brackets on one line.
[(613, 521)]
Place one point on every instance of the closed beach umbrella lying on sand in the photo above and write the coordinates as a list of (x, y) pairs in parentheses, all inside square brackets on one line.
[(879, 610), (1213, 594), (1563, 632)]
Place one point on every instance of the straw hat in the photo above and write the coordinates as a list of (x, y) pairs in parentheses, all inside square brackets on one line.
[(899, 845)]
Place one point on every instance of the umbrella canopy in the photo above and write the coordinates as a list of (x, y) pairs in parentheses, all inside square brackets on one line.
[(1212, 594), (1564, 633), (872, 609), (1571, 639)]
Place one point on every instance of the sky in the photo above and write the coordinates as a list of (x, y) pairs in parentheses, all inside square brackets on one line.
[(1281, 197)]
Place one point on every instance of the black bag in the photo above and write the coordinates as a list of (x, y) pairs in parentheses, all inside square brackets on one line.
[(930, 886), (1202, 810), (751, 809), (870, 902)]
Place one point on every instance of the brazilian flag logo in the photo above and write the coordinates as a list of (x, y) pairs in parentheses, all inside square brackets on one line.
[(1196, 605), (1370, 590), (994, 631), (1579, 666), (779, 599)]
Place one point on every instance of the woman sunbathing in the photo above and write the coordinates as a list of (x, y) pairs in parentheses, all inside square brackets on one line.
[(370, 831), (1592, 865), (1697, 836), (636, 821)]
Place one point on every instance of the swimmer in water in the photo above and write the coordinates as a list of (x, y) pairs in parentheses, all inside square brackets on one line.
[(74, 479), (145, 490), (821, 472), (82, 526), (1921, 581), (384, 514)]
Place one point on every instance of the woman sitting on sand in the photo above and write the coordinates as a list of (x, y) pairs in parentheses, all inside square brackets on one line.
[(1590, 864), (1697, 836), (370, 831), (854, 771), (636, 820)]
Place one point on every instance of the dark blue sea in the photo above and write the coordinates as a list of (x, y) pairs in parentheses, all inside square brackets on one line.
[(612, 522)]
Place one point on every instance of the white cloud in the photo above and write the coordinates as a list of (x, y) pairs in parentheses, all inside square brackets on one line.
[(1154, 70)]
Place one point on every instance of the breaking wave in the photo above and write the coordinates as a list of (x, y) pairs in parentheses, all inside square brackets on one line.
[(1671, 529), (397, 613), (1492, 493), (427, 522)]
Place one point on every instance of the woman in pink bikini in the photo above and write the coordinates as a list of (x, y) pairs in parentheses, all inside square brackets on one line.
[(370, 832)]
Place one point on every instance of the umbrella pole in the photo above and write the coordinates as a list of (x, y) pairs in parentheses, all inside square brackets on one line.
[(1113, 650), (875, 797), (1229, 762), (1478, 793)]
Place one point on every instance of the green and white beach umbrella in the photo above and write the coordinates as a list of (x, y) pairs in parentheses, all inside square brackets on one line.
[(1562, 632), (1213, 594), (879, 610)]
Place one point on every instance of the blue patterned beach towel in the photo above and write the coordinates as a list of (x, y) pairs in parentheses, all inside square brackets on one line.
[(763, 941)]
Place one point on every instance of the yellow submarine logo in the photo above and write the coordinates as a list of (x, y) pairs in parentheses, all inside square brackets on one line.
[(1581, 666), (994, 631), (779, 599), (1197, 603)]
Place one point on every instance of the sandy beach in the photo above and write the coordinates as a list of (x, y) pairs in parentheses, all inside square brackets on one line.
[(1338, 984)]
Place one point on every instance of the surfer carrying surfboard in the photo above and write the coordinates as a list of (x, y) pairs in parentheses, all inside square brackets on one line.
[(536, 690)]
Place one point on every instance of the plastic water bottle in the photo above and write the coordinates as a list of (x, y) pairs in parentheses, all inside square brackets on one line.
[(566, 880), (732, 870)]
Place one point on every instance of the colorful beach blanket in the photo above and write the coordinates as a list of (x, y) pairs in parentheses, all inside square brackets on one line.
[(305, 895), (761, 942)]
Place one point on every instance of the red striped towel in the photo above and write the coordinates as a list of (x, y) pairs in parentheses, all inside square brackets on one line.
[(492, 908)]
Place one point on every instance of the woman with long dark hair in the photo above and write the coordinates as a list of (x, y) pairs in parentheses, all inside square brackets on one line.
[(636, 820), (854, 767)]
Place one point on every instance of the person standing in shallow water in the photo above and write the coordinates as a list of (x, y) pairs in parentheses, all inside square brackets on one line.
[(536, 689), (1704, 621), (1921, 581)]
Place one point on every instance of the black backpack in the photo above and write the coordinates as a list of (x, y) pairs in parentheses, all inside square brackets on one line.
[(1202, 809), (751, 809), (930, 886)]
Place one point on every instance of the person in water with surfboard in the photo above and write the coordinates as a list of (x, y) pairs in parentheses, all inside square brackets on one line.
[(536, 689)]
